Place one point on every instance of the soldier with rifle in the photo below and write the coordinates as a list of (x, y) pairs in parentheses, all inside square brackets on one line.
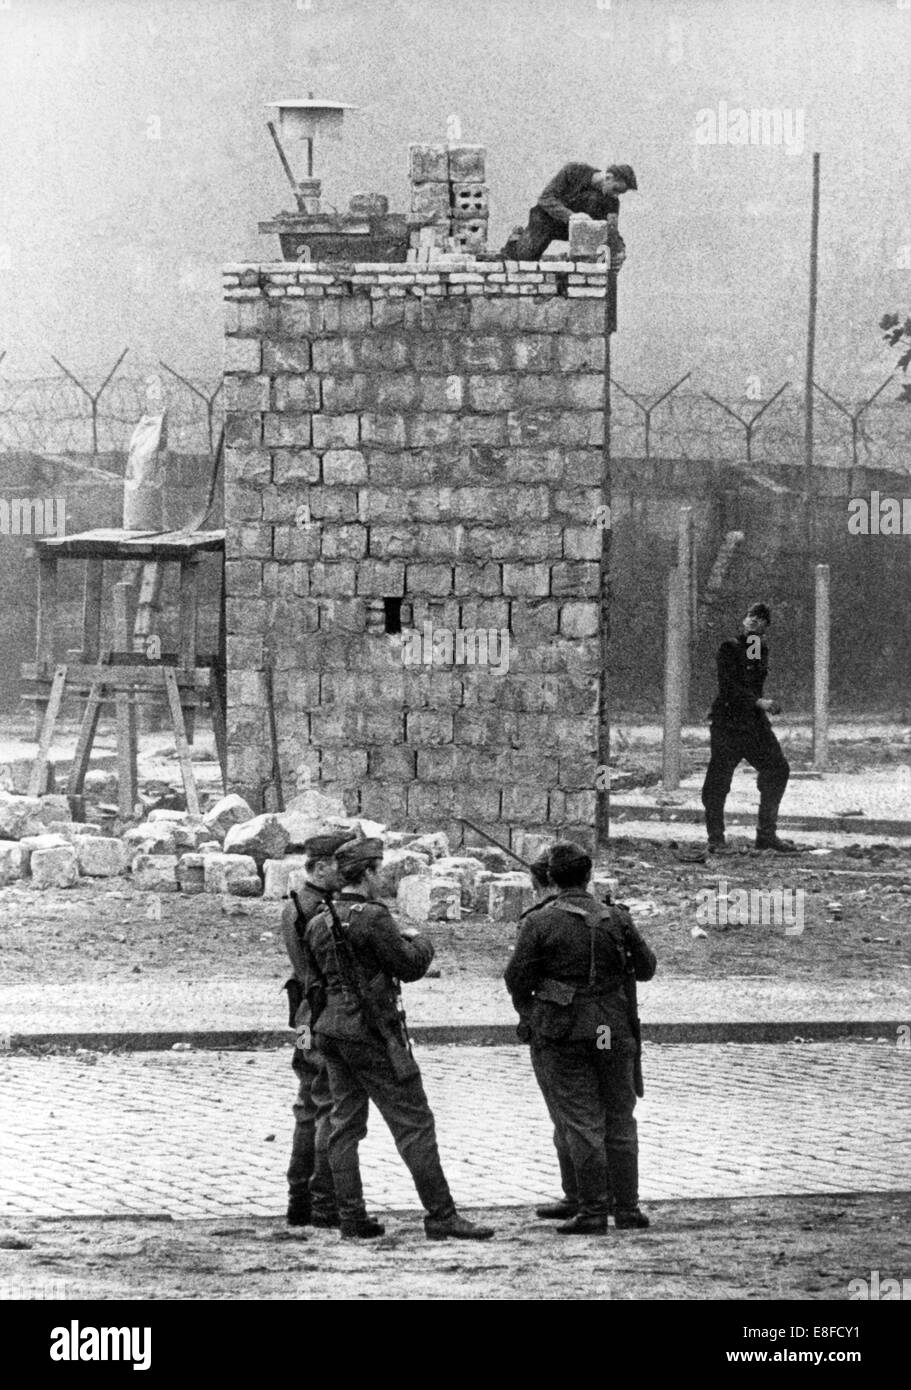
[(311, 1198), (359, 955), (569, 978)]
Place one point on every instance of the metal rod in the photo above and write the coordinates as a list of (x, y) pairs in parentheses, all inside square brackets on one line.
[(673, 681), (494, 841), (821, 670), (286, 166), (811, 344)]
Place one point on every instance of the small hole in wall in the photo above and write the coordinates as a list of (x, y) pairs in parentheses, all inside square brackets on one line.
[(392, 608)]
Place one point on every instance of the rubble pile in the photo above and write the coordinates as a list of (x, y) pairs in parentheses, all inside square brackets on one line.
[(231, 851)]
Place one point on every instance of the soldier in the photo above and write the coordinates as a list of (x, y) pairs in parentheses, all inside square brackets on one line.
[(311, 1198), (740, 729), (546, 892), (567, 978), (360, 955)]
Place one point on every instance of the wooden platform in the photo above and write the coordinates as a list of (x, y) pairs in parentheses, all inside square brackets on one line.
[(134, 666)]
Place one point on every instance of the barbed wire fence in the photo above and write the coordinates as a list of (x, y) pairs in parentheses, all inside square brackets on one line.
[(66, 414), (95, 412)]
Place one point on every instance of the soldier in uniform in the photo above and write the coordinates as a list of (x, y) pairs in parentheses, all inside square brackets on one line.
[(360, 955), (740, 729), (567, 979), (311, 1197)]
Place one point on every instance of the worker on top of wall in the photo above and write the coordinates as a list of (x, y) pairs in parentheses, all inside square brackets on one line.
[(576, 188)]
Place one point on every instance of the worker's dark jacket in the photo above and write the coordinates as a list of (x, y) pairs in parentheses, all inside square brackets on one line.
[(740, 681), (382, 955), (571, 191), (312, 901), (567, 971)]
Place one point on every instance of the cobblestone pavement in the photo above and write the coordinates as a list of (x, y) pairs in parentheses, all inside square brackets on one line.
[(207, 1134), (138, 1004)]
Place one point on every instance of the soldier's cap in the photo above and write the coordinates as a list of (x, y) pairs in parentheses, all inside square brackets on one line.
[(624, 172), (325, 846), (567, 857), (356, 853)]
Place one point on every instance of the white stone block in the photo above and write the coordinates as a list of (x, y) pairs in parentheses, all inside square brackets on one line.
[(10, 861), (100, 856), (281, 875), (508, 896), (155, 873), (230, 810), (429, 899), (151, 838), (436, 845), (263, 837), (54, 867), (224, 873), (398, 864)]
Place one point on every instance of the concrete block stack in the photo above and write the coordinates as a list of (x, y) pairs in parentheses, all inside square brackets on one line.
[(413, 464), (450, 205)]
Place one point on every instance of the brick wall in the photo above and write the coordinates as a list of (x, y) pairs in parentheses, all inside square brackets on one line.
[(422, 445)]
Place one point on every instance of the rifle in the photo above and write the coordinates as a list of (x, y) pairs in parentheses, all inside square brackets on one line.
[(397, 1043), (316, 994), (629, 973)]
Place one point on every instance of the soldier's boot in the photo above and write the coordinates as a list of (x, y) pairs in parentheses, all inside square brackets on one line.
[(765, 841), (634, 1220), (584, 1224), (360, 1227), (455, 1227), (558, 1211), (299, 1207), (624, 1168), (325, 1218)]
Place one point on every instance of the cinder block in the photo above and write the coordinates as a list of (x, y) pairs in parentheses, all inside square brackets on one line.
[(346, 393), (231, 873), (430, 200), (345, 466), (462, 867), (425, 898), (428, 579), (436, 844), (10, 861), (428, 727), (286, 429), (586, 236), (467, 163), (153, 837), (528, 580), (428, 163), (385, 430), (281, 875), (470, 200), (286, 355), (295, 466), (347, 315), (190, 873)]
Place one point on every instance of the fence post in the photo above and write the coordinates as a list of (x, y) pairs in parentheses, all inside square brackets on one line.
[(821, 670), (674, 658)]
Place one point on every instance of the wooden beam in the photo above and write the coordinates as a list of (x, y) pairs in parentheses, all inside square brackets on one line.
[(180, 739), (37, 777), (124, 697), (84, 742), (93, 587)]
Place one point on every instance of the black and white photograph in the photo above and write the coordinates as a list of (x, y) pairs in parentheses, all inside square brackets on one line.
[(455, 696)]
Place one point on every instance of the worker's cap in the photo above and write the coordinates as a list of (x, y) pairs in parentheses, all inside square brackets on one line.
[(760, 610), (325, 846), (354, 855), (624, 172), (565, 857)]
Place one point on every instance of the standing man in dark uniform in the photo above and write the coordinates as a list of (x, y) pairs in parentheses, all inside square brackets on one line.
[(567, 978), (311, 1197), (576, 188), (360, 955), (740, 729)]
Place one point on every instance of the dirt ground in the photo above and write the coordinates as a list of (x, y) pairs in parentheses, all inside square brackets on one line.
[(96, 932), (761, 1248)]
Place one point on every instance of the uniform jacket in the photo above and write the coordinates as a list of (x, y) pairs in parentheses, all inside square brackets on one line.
[(549, 974), (741, 679), (383, 956), (312, 900)]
